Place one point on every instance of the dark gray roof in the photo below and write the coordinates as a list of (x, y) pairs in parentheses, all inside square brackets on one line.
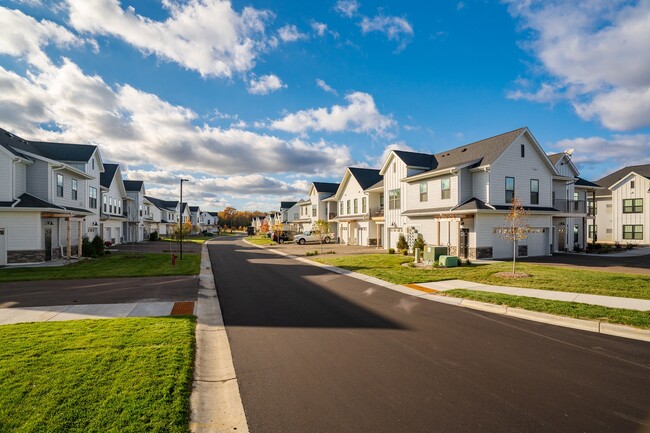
[(326, 187), (133, 185), (29, 201), (6, 138), (379, 184), (214, 214), (183, 207), (473, 204), (162, 204), (415, 159), (56, 151), (194, 208), (287, 204), (585, 182), (366, 177), (107, 176), (528, 208), (612, 178)]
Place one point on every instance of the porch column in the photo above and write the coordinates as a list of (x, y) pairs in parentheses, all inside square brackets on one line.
[(79, 239), (69, 240)]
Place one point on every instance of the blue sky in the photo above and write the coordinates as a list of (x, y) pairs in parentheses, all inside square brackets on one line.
[(253, 100)]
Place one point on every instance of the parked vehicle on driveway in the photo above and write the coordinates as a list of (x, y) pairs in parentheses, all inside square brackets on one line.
[(281, 238), (310, 236)]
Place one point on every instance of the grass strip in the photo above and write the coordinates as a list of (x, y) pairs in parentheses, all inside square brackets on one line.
[(389, 268), (577, 310), (121, 264), (260, 240), (117, 375)]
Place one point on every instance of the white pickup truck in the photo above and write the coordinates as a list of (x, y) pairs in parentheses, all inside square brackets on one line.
[(311, 236)]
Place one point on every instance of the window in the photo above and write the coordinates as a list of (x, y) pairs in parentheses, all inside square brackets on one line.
[(59, 185), (313, 210), (92, 197), (394, 167), (633, 232), (74, 189), (341, 208), (592, 230), (534, 191), (592, 207), (356, 205), (445, 186), (523, 151), (632, 205), (111, 205), (364, 207), (140, 211), (631, 184), (381, 201), (576, 231), (510, 189), (119, 207), (347, 207), (105, 203), (424, 191), (92, 162), (394, 199)]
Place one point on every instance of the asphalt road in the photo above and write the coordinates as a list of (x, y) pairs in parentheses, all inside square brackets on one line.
[(321, 352)]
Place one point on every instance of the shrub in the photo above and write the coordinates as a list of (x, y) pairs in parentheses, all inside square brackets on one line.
[(401, 243), (98, 245), (391, 251), (419, 243), (405, 252), (86, 247), (153, 236)]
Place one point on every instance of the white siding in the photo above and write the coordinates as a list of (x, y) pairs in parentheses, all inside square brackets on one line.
[(392, 180), (485, 225), (23, 230), (20, 177), (434, 194), (38, 180), (465, 185), (6, 177), (619, 219), (481, 185)]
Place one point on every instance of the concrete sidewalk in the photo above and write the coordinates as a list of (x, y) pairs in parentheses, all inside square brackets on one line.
[(605, 301), (89, 311)]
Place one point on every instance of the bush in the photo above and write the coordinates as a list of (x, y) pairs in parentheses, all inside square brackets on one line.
[(391, 251), (401, 243), (153, 236), (405, 252), (86, 247), (98, 245), (419, 243)]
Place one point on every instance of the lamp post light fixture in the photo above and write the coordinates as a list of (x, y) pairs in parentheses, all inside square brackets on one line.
[(180, 226)]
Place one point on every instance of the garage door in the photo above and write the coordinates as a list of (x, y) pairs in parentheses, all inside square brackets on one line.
[(538, 243), (501, 248)]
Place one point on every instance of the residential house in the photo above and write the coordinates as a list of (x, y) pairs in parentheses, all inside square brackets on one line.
[(354, 199), (169, 215), (623, 206), (289, 212), (316, 208), (197, 219), (134, 227), (459, 198), (113, 195), (303, 221), (48, 198), (211, 221)]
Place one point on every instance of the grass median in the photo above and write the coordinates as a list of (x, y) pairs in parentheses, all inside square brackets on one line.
[(621, 316), (118, 375), (113, 265), (389, 268)]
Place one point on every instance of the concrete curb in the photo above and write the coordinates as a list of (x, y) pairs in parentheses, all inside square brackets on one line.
[(215, 402), (550, 319)]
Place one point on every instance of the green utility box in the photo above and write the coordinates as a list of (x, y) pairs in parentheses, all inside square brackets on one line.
[(433, 253), (448, 261)]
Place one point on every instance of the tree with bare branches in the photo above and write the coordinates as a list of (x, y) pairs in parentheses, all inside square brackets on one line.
[(515, 228)]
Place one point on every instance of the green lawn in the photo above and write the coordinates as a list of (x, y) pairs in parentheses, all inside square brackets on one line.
[(639, 319), (192, 239), (113, 265), (119, 375), (260, 240), (388, 268)]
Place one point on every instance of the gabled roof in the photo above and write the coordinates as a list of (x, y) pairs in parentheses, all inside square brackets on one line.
[(107, 176), (133, 185), (473, 204), (587, 183), (287, 204), (29, 201), (612, 178), (326, 187), (194, 208), (56, 151), (162, 204), (183, 207), (366, 177), (415, 159)]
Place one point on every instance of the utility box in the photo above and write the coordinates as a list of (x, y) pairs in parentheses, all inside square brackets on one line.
[(432, 253), (448, 261)]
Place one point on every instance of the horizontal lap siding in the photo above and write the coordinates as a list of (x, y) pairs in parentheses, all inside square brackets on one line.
[(23, 230)]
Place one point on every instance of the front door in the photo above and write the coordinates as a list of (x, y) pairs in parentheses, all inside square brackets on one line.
[(48, 243), (464, 243), (561, 237)]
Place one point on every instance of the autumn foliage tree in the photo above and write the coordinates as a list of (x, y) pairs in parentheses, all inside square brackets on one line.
[(515, 228)]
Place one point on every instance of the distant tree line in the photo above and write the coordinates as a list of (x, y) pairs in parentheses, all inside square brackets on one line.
[(237, 219)]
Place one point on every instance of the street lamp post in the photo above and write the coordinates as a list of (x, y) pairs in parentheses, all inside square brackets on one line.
[(180, 233)]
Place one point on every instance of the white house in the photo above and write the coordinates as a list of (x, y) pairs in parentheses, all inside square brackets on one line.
[(113, 196), (316, 208), (48, 198), (623, 206), (197, 219), (210, 221), (134, 227), (169, 215)]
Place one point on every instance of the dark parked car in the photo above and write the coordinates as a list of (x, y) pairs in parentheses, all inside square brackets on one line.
[(281, 238)]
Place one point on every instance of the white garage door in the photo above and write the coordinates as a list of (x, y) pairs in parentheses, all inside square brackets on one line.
[(501, 248), (538, 243)]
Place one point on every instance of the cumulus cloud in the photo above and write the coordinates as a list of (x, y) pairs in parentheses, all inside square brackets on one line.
[(347, 8), (360, 115), (396, 28), (206, 36), (400, 145), (290, 33), (325, 87), (592, 53), (319, 28), (619, 149), (265, 84)]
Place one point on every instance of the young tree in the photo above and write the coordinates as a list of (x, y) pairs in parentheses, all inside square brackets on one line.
[(515, 228), (277, 229), (321, 228)]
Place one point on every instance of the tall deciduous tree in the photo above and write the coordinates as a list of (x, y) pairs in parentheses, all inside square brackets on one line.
[(515, 228)]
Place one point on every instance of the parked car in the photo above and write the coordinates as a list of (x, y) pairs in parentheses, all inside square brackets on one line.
[(310, 236), (281, 238)]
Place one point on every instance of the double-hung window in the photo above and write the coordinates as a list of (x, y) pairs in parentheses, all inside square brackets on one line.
[(341, 208), (74, 189), (59, 185), (313, 210), (634, 232), (363, 205), (347, 207), (445, 187), (510, 189), (394, 199), (92, 197), (534, 191), (356, 206), (424, 191), (632, 205)]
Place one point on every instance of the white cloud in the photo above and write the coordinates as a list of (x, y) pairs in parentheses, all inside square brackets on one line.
[(396, 28), (347, 8), (593, 51), (290, 33), (619, 149), (400, 145), (546, 93), (207, 36), (265, 84), (319, 28), (360, 115), (323, 85)]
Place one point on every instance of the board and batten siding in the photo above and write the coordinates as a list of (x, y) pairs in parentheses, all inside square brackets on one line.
[(6, 177), (531, 166), (38, 180), (351, 191), (23, 230), (396, 171), (619, 219), (465, 185)]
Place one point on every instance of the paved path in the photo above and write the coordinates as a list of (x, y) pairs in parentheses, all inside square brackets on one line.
[(320, 352), (606, 301)]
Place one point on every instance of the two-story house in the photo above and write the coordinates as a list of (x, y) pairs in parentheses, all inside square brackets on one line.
[(317, 208), (210, 221), (48, 198), (623, 206), (169, 215), (113, 195), (197, 219), (133, 227), (289, 214), (459, 198), (354, 202)]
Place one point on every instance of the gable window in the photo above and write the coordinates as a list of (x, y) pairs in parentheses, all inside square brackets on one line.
[(347, 207), (92, 197), (363, 205), (394, 167), (424, 191), (633, 232), (510, 189), (394, 199), (445, 187), (59, 185), (313, 210), (92, 163), (341, 208), (523, 151), (632, 205), (356, 205), (631, 184), (534, 191), (74, 189)]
